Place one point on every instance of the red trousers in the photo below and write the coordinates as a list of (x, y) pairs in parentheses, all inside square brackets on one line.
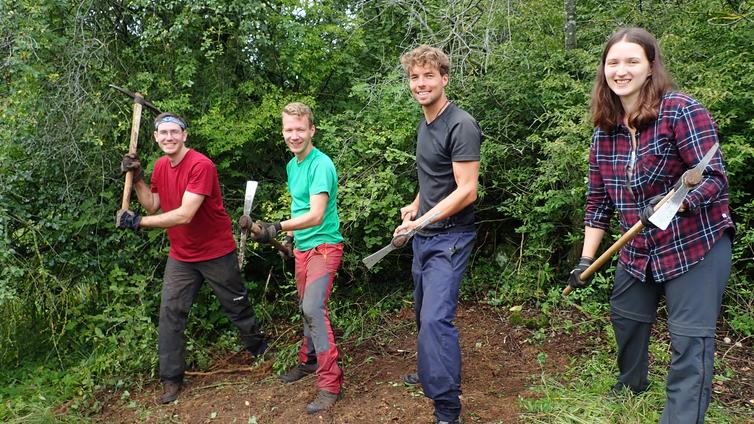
[(315, 271)]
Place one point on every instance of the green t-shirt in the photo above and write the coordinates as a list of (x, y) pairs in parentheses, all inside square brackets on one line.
[(314, 175)]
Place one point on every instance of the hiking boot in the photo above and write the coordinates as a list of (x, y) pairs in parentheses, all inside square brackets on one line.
[(619, 389), (262, 350), (322, 402), (411, 379), (170, 390), (298, 372)]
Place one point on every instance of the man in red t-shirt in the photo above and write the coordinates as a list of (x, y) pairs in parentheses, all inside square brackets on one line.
[(186, 188)]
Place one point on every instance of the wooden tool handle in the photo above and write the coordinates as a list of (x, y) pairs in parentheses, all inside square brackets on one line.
[(625, 238), (607, 254), (135, 123), (242, 248)]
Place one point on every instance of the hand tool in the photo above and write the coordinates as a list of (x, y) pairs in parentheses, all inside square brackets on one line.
[(665, 211), (248, 201), (396, 243), (138, 102)]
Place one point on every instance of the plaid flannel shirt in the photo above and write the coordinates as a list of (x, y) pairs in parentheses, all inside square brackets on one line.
[(683, 132)]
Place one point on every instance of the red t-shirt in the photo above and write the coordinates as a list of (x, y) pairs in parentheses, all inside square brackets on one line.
[(209, 234)]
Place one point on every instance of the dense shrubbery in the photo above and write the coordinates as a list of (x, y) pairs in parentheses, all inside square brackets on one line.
[(74, 290)]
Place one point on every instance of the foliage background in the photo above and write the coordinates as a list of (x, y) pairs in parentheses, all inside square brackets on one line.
[(79, 299)]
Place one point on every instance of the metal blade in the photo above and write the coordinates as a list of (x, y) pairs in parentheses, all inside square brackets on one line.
[(375, 257), (248, 200), (137, 98), (665, 213)]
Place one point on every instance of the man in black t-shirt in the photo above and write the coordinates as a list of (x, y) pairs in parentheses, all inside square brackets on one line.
[(447, 162)]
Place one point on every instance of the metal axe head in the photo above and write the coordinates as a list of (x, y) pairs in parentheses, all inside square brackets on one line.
[(248, 198), (692, 177), (396, 243), (137, 98)]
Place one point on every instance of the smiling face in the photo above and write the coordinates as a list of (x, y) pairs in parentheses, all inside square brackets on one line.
[(171, 138), (427, 85), (298, 133), (626, 70)]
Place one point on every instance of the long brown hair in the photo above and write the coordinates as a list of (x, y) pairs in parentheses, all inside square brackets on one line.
[(606, 107)]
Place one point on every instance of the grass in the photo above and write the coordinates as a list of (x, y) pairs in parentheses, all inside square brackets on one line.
[(580, 394)]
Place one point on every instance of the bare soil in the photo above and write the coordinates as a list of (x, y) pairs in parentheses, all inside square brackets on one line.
[(500, 361)]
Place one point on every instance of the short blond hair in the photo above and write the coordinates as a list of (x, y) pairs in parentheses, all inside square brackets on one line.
[(300, 110), (426, 55)]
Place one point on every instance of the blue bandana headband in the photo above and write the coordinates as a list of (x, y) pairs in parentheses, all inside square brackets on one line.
[(172, 119)]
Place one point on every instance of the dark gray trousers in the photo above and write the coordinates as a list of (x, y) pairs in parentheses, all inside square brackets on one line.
[(181, 284), (693, 304)]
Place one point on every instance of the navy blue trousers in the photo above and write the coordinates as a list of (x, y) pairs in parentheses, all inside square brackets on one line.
[(438, 267)]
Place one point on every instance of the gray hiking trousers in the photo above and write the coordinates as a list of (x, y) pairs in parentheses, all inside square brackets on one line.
[(181, 284), (693, 304)]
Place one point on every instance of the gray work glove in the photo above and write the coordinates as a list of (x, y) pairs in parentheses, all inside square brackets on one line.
[(288, 244), (244, 223), (269, 231), (574, 280), (132, 163)]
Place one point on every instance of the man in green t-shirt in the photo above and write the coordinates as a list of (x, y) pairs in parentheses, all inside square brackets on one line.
[(315, 228)]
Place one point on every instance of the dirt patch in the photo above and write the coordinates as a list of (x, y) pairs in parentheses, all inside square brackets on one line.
[(500, 362)]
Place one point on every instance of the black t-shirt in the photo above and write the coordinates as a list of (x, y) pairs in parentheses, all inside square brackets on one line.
[(454, 136)]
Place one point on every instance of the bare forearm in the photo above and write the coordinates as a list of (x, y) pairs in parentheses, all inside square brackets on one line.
[(592, 240), (301, 222), (456, 201), (166, 220), (190, 204)]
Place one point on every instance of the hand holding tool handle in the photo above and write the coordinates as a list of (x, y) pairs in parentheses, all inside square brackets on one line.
[(607, 254), (257, 229)]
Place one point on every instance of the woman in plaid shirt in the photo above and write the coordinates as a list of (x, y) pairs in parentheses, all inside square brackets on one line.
[(646, 135)]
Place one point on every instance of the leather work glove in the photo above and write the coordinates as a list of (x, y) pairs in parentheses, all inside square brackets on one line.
[(131, 162), (244, 223), (573, 279), (269, 231), (649, 210), (127, 219), (288, 243)]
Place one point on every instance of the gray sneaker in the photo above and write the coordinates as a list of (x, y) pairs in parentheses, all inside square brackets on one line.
[(411, 379), (324, 401), (298, 372)]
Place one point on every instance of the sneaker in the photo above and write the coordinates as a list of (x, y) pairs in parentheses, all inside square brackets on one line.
[(170, 390), (447, 422), (298, 372), (411, 379), (322, 402)]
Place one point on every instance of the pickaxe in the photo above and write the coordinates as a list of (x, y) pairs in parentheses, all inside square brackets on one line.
[(664, 212), (138, 102), (248, 202)]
